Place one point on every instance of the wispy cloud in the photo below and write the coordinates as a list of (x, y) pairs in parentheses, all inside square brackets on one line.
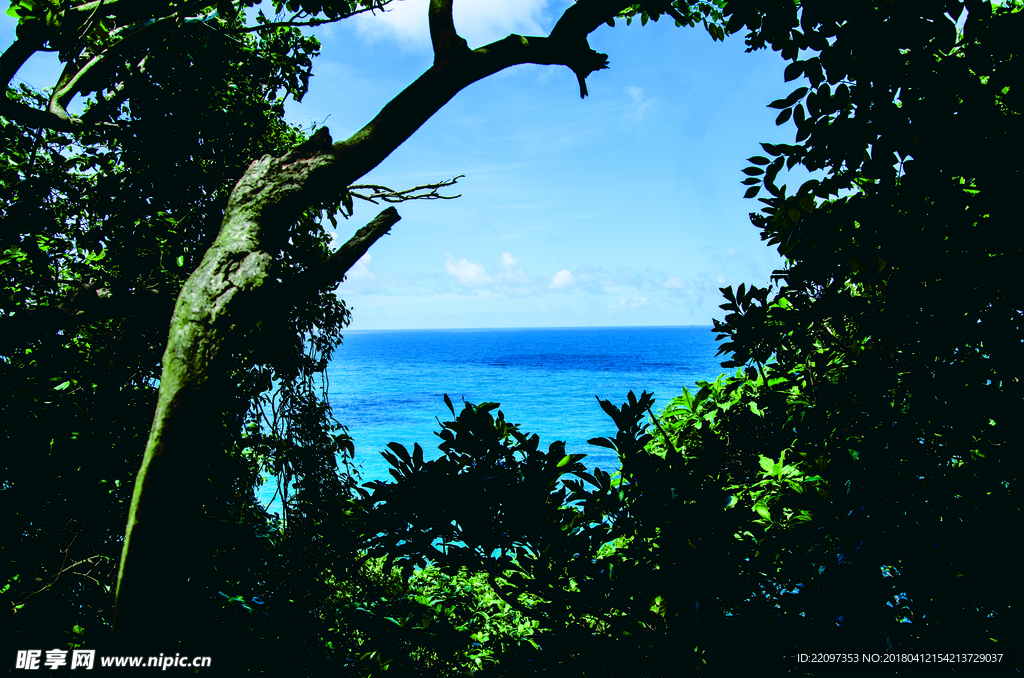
[(673, 283), (512, 272), (624, 303), (640, 108)]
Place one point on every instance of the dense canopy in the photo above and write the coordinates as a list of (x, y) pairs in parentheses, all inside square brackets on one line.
[(162, 249)]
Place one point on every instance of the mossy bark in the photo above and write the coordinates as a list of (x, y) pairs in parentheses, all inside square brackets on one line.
[(168, 534)]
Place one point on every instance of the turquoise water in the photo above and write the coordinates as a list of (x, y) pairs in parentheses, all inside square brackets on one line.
[(387, 385)]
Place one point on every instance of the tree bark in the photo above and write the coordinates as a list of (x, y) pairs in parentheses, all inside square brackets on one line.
[(168, 534)]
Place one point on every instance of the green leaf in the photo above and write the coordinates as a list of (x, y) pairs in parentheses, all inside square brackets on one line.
[(762, 510), (794, 70), (602, 442), (687, 399), (793, 97), (766, 463)]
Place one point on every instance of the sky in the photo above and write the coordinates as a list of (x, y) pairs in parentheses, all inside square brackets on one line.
[(621, 209)]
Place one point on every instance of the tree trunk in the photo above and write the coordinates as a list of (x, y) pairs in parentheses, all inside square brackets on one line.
[(168, 537)]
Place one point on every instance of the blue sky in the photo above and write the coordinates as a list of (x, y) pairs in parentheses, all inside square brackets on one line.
[(624, 208)]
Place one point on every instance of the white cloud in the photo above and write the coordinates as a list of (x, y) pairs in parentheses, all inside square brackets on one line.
[(561, 279), (360, 271), (513, 272), (674, 283), (479, 22), (635, 302), (642, 106), (465, 272)]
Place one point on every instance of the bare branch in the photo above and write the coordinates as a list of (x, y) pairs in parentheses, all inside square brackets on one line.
[(404, 114), (448, 45), (423, 192), (334, 268)]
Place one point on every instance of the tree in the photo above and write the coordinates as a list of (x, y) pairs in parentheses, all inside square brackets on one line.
[(96, 246), (896, 315), (851, 487), (97, 242), (244, 283)]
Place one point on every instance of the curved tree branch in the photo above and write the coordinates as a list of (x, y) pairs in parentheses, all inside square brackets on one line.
[(117, 94), (447, 43), (74, 78), (15, 56), (334, 268), (402, 116)]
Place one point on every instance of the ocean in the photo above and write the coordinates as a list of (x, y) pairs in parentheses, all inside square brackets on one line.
[(388, 385)]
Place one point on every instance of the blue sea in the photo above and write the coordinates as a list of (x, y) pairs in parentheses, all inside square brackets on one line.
[(387, 385)]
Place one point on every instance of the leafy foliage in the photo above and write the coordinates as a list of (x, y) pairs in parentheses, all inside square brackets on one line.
[(896, 315), (850, 487), (625, 570), (96, 242)]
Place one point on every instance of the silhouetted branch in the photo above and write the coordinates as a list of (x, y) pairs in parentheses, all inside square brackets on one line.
[(334, 268), (423, 192), (447, 43)]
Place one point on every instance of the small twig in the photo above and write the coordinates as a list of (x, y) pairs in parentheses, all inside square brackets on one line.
[(389, 195)]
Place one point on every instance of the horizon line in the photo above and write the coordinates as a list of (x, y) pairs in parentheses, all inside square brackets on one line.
[(536, 327)]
